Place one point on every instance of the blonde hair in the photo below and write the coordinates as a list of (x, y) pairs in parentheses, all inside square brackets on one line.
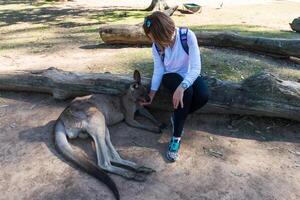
[(161, 27)]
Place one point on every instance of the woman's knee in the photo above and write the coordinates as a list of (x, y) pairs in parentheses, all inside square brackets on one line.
[(199, 102), (202, 93), (188, 92), (171, 80)]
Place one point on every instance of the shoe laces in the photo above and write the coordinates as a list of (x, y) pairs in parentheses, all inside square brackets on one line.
[(174, 145)]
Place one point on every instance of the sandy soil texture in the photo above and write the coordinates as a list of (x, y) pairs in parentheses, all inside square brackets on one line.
[(222, 157)]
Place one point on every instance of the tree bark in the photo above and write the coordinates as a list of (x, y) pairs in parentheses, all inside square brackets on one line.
[(261, 95), (133, 34), (295, 25), (155, 5)]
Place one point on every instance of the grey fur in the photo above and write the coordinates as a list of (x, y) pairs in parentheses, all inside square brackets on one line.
[(91, 115)]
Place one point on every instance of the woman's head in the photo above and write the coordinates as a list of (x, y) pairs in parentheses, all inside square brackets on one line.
[(159, 27)]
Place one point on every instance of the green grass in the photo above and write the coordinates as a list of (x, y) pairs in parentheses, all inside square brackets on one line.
[(37, 27), (125, 62), (217, 63), (231, 65), (119, 17)]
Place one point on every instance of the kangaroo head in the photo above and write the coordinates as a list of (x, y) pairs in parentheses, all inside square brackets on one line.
[(137, 90)]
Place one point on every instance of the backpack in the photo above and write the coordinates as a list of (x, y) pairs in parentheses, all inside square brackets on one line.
[(183, 39)]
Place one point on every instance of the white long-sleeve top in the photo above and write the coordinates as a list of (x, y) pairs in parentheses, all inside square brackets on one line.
[(177, 61)]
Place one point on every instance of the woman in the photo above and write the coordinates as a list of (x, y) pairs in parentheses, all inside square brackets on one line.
[(177, 65)]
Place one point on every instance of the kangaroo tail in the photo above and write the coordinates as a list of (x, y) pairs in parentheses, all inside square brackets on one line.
[(63, 146)]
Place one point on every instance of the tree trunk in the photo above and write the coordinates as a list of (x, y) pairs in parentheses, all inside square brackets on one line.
[(155, 5), (262, 95), (133, 34), (295, 25)]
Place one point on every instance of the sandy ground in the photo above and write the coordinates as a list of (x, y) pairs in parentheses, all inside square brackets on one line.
[(256, 159)]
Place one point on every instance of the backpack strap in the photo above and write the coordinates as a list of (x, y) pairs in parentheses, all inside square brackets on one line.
[(162, 55), (183, 39)]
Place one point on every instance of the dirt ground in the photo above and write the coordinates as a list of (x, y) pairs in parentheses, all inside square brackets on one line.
[(222, 157)]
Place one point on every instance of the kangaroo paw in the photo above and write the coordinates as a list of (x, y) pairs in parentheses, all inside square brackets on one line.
[(139, 178), (135, 177), (145, 170), (156, 130), (162, 126)]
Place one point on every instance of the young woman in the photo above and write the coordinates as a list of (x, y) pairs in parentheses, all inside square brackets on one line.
[(177, 65)]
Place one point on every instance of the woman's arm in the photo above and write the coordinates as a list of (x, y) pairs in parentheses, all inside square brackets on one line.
[(158, 71), (194, 59)]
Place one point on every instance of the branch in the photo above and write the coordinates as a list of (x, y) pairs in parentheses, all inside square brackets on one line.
[(261, 95)]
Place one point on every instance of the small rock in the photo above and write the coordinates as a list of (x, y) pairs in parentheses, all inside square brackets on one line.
[(237, 174), (213, 152), (13, 125), (295, 152)]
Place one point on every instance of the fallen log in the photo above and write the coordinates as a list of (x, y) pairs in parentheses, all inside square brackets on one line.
[(261, 95), (134, 34)]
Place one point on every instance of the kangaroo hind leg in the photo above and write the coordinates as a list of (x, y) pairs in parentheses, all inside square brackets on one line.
[(118, 161), (96, 129)]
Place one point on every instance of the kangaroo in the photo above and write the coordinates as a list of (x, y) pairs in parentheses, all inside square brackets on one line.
[(90, 116)]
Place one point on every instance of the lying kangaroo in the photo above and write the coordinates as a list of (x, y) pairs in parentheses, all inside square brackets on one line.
[(90, 115)]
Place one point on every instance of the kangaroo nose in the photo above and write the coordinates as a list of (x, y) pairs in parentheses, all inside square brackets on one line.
[(147, 98)]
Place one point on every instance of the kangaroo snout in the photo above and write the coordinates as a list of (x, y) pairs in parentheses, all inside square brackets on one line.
[(147, 98)]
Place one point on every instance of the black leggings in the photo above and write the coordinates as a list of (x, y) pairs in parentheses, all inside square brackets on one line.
[(195, 97)]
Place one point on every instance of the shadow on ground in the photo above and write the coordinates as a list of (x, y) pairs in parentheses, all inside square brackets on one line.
[(33, 169)]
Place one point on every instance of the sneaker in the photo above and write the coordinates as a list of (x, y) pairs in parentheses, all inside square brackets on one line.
[(174, 145)]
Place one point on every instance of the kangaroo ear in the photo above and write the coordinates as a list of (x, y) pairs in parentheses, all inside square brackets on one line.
[(137, 76)]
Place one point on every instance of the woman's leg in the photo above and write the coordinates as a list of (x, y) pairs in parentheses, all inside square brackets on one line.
[(200, 94), (171, 81)]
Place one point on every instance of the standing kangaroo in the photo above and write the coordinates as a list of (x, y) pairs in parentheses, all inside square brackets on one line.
[(90, 115)]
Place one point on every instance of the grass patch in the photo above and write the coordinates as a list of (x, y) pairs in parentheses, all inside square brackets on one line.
[(24, 25), (289, 74), (228, 66), (119, 17), (125, 61), (234, 65), (223, 64)]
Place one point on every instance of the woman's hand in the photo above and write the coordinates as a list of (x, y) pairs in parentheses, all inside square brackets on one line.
[(145, 103), (178, 97)]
